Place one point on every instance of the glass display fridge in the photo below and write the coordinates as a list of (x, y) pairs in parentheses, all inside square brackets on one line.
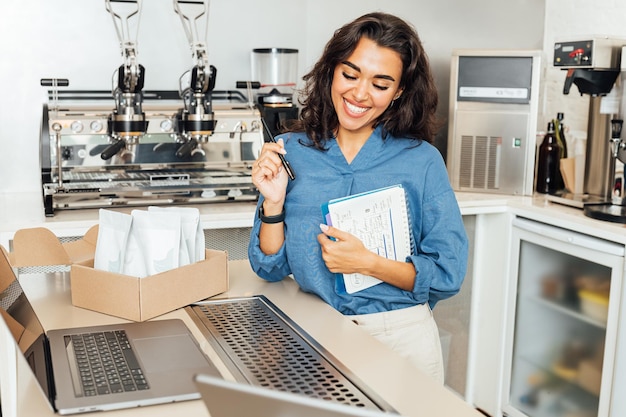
[(561, 323)]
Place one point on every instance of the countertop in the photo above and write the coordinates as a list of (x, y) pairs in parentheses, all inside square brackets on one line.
[(403, 387), (20, 210)]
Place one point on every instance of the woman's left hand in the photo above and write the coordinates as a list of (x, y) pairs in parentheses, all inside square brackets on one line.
[(342, 252)]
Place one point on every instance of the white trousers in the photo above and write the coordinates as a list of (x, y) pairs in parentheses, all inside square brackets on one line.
[(411, 332)]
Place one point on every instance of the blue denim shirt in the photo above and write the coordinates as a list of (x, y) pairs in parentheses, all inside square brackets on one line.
[(440, 258)]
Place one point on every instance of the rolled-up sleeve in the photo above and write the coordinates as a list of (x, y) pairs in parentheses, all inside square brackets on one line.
[(440, 259)]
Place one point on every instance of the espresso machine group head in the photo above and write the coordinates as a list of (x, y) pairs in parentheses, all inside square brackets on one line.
[(195, 122), (127, 123)]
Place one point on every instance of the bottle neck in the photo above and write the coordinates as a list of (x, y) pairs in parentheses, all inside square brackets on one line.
[(550, 138)]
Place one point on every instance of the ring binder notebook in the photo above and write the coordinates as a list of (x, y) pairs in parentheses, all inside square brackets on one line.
[(379, 218)]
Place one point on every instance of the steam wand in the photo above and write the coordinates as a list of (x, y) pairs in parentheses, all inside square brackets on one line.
[(56, 127)]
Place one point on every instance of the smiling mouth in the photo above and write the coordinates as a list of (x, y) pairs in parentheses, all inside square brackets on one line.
[(355, 109)]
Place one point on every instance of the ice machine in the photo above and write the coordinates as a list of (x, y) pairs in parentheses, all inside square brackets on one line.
[(494, 98)]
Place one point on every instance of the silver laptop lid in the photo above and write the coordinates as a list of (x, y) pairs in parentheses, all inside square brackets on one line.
[(228, 399)]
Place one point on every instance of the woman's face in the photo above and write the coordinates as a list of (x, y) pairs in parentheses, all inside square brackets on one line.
[(364, 85)]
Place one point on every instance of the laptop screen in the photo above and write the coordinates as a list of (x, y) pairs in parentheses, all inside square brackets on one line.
[(20, 317)]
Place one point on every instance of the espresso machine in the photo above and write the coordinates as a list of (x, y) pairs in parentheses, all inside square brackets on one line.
[(191, 146), (594, 66), (274, 75)]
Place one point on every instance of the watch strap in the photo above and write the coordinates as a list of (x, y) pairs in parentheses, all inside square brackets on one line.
[(271, 219)]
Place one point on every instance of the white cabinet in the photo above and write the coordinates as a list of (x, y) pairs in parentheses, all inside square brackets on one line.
[(470, 323), (561, 322)]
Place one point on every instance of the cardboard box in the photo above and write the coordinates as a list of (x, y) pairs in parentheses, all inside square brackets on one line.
[(124, 296), (38, 246)]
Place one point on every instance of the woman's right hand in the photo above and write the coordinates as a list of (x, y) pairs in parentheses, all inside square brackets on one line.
[(269, 175)]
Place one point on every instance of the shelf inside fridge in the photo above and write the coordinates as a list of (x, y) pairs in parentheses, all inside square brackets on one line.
[(570, 309), (541, 391)]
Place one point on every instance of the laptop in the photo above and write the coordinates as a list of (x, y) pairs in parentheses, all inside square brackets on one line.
[(104, 367), (225, 398)]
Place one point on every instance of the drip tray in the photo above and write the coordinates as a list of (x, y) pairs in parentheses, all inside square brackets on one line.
[(261, 346)]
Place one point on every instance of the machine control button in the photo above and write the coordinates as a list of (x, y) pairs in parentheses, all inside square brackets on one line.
[(66, 153)]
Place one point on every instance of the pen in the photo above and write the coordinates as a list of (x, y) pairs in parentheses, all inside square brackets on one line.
[(285, 163)]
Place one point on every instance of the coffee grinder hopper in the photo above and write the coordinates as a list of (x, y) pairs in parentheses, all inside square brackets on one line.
[(276, 71)]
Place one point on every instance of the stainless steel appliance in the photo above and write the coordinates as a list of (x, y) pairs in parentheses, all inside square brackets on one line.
[(156, 147), (494, 96), (74, 136), (593, 65), (260, 345)]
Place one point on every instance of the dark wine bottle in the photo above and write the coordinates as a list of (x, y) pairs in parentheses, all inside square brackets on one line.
[(560, 131), (548, 163)]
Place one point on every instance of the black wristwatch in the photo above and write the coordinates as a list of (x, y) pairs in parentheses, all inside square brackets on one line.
[(271, 219)]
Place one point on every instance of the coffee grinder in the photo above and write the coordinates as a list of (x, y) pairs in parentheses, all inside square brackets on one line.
[(593, 65), (274, 71)]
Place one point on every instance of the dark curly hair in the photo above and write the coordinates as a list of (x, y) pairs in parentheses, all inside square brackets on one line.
[(412, 115)]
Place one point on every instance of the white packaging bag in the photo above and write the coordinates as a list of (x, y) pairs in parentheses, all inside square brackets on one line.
[(158, 236), (192, 235), (111, 246)]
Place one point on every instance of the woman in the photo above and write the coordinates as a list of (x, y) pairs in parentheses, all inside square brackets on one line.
[(367, 122)]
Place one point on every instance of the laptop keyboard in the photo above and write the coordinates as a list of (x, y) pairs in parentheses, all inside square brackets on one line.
[(104, 364)]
